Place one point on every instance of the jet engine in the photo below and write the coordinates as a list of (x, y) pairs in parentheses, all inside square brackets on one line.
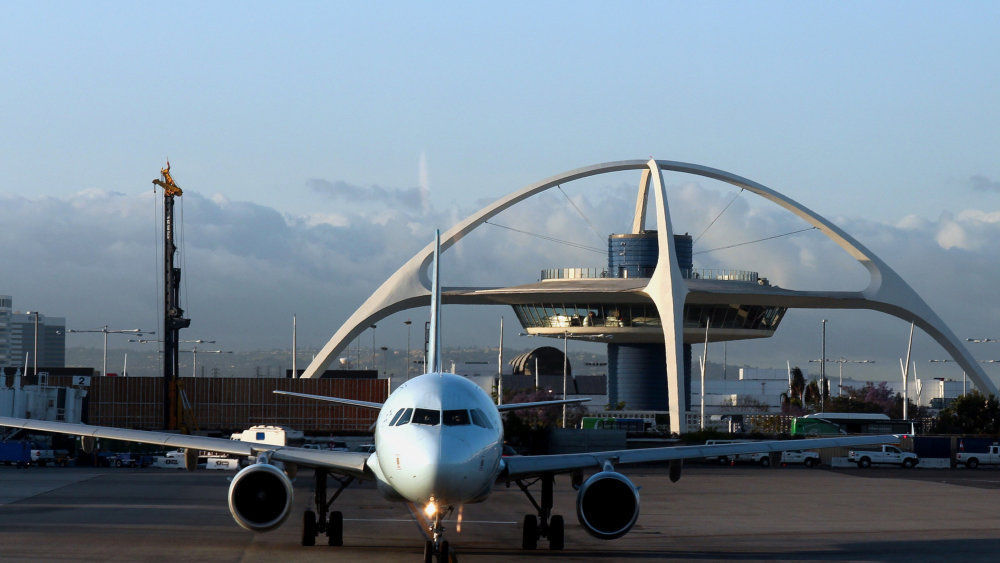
[(260, 497), (607, 505)]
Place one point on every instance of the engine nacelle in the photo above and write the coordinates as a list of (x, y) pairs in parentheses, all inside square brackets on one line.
[(260, 497), (607, 505)]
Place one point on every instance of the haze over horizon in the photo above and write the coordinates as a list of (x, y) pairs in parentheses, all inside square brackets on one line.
[(320, 145)]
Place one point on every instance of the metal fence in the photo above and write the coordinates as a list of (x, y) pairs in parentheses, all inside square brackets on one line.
[(228, 404)]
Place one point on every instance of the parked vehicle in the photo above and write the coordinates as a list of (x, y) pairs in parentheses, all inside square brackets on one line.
[(15, 453), (885, 455), (972, 460), (807, 458)]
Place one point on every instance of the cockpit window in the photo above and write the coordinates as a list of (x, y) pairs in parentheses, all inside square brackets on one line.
[(479, 418), (426, 416), (456, 418), (402, 419), (396, 417)]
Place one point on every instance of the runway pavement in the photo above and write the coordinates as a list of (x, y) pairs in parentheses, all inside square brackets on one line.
[(713, 513)]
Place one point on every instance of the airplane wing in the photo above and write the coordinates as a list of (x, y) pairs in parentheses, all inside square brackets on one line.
[(347, 463), (352, 402), (526, 466), (514, 406)]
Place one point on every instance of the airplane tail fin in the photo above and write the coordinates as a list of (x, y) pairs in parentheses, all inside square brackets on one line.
[(434, 345)]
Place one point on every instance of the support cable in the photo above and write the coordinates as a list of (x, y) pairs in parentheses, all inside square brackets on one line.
[(719, 215), (553, 239), (755, 241), (580, 211)]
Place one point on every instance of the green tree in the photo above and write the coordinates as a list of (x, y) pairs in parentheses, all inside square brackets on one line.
[(973, 413)]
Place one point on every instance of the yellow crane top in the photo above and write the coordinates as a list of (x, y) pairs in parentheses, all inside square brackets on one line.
[(167, 182)]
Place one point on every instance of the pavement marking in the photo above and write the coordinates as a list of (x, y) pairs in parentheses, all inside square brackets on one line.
[(410, 520), (21, 505)]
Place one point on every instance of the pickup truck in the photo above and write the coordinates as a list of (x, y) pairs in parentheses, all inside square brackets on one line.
[(809, 459), (886, 454), (973, 459)]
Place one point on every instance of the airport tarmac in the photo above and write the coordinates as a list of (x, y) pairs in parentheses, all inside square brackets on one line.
[(713, 513)]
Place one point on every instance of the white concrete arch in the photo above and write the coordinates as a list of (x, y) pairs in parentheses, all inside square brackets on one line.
[(409, 286)]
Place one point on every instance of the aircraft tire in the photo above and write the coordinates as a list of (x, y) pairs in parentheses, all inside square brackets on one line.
[(444, 553), (557, 535), (335, 529), (428, 551), (529, 532), (308, 528)]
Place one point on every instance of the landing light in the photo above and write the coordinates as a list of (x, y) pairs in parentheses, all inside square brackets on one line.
[(431, 509)]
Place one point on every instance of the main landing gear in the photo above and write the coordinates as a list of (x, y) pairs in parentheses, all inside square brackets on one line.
[(322, 520), (545, 525), (437, 545)]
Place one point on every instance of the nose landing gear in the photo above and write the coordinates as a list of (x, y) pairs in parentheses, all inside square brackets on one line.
[(323, 520), (437, 545), (545, 524)]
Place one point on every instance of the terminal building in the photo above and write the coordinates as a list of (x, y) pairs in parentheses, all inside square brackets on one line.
[(648, 303)]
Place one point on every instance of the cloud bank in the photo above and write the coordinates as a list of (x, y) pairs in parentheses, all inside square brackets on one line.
[(92, 257)]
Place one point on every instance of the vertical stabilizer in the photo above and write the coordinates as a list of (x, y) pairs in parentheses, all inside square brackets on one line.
[(434, 346)]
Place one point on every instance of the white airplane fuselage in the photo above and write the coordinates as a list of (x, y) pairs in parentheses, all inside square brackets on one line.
[(438, 438)]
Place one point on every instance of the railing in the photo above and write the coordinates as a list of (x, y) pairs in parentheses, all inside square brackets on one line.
[(694, 273), (573, 273)]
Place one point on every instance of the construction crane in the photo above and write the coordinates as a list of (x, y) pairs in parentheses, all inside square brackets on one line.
[(173, 315)]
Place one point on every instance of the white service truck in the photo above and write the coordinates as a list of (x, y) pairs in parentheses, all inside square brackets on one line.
[(891, 455), (973, 460), (807, 458)]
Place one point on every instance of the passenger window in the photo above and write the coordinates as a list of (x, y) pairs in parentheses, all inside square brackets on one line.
[(426, 416), (405, 418), (479, 418), (456, 418)]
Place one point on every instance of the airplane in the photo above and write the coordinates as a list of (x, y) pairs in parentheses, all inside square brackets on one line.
[(438, 445)]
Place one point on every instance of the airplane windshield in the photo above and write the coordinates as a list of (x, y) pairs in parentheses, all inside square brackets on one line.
[(479, 418), (456, 418), (402, 418), (426, 416)]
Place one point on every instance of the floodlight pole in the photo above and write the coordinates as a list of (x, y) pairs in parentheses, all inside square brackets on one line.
[(906, 376), (500, 366), (565, 365), (822, 372)]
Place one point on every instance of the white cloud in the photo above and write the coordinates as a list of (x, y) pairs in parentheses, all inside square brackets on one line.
[(91, 257)]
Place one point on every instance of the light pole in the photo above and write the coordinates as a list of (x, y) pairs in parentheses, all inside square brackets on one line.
[(295, 372), (374, 366), (843, 361), (385, 360), (107, 331), (822, 372), (35, 354), (194, 351), (500, 366), (407, 322), (565, 365), (704, 366)]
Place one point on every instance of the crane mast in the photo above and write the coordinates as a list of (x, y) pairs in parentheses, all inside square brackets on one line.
[(173, 315)]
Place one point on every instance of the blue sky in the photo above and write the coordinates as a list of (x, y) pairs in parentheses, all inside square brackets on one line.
[(873, 113)]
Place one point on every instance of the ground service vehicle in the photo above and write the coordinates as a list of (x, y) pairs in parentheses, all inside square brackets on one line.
[(809, 459), (15, 453), (972, 460), (886, 455)]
